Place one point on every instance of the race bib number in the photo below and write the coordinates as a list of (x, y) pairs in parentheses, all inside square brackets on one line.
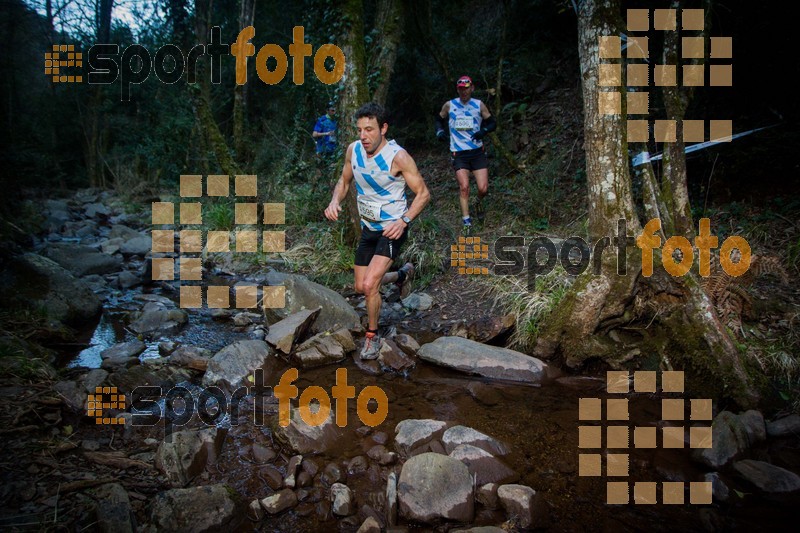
[(464, 123), (369, 210)]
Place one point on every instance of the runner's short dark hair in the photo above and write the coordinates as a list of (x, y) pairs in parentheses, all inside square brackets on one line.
[(373, 110)]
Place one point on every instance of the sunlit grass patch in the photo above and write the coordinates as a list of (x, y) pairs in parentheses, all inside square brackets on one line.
[(529, 307), (324, 255)]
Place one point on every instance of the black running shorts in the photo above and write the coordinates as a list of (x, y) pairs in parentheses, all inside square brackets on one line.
[(374, 243), (470, 159)]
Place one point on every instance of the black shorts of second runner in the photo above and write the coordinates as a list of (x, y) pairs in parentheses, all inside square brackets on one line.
[(470, 159), (375, 243)]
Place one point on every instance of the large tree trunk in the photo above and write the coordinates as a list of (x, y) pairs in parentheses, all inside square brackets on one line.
[(594, 299), (354, 93), (674, 317), (674, 189), (246, 14), (651, 195), (390, 21)]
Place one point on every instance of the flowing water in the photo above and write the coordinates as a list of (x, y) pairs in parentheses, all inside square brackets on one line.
[(539, 424)]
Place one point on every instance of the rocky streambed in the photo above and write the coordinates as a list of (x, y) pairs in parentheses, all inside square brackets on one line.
[(475, 437)]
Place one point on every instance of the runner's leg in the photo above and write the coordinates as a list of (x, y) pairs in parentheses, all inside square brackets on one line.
[(370, 285), (462, 176), (482, 180)]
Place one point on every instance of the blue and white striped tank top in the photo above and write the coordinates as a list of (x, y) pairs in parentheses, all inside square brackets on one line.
[(465, 119), (381, 196)]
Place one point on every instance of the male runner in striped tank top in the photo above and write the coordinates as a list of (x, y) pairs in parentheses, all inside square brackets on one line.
[(469, 121), (380, 169)]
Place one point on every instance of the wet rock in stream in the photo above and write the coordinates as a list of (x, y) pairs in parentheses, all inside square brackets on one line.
[(433, 486), (304, 438), (484, 466), (186, 453), (280, 501), (489, 361), (83, 260), (523, 503), (324, 348), (155, 320), (458, 435), (302, 293), (231, 365), (412, 433), (284, 334)]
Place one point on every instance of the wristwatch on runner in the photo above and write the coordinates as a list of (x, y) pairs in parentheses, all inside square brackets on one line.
[(406, 220)]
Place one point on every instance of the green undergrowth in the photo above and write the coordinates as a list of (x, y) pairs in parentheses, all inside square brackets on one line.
[(529, 307), (322, 253)]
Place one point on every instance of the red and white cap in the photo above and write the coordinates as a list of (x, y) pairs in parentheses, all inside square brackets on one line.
[(464, 81)]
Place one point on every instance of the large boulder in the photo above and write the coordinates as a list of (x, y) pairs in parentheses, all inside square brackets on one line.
[(391, 356), (235, 362), (302, 293), (523, 503), (186, 453), (304, 438), (114, 513), (83, 260), (139, 245), (284, 334), (412, 433), (731, 436), (324, 348), (280, 501), (488, 361), (124, 349), (194, 357), (38, 283), (95, 209), (434, 486), (458, 435), (156, 320), (768, 478), (120, 231), (484, 466), (784, 427), (194, 510)]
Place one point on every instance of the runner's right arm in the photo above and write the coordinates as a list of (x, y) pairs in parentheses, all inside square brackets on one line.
[(318, 130), (441, 123), (342, 186)]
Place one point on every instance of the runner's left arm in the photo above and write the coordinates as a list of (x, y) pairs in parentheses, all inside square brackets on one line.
[(404, 164), (488, 124)]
